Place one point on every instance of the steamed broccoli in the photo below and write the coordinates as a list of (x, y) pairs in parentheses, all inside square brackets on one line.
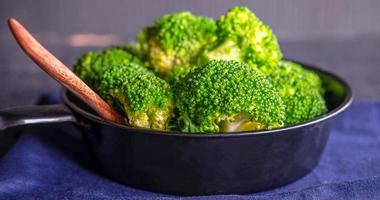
[(227, 96), (243, 37), (172, 45), (143, 97), (301, 91), (92, 65), (228, 76)]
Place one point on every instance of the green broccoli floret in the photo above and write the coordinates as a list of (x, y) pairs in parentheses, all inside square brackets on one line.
[(227, 96), (243, 37), (301, 91), (174, 42), (93, 64), (146, 99)]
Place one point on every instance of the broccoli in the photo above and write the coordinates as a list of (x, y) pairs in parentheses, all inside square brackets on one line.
[(174, 43), (243, 37), (227, 96), (227, 76), (92, 64), (301, 91), (146, 99)]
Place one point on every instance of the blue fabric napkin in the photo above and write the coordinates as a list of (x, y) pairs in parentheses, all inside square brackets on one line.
[(53, 163)]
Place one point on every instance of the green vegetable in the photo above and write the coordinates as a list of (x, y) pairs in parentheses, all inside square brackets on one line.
[(227, 76), (301, 91), (174, 42), (243, 37), (227, 96), (93, 64), (146, 99)]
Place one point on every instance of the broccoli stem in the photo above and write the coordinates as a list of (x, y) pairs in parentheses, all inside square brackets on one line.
[(242, 123)]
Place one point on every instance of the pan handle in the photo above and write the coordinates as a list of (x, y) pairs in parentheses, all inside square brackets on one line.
[(30, 115)]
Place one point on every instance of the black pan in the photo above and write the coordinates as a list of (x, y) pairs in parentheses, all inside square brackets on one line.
[(196, 164)]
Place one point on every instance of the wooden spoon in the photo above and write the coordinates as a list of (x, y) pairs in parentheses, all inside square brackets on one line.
[(60, 72)]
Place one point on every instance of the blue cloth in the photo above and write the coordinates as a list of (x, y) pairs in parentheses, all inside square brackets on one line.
[(53, 163)]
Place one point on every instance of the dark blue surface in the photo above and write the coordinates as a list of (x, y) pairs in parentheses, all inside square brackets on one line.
[(53, 163)]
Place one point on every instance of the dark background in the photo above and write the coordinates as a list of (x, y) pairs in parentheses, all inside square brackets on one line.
[(342, 36)]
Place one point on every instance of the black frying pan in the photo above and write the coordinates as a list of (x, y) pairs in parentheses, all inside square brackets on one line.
[(196, 164)]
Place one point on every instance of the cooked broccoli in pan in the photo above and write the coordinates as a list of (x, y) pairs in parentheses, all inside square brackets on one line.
[(228, 96), (243, 37), (301, 91), (145, 99), (174, 42), (193, 74), (93, 64)]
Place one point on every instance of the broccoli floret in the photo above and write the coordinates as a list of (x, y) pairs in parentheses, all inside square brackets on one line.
[(174, 42), (92, 64), (243, 37), (301, 91), (227, 96), (146, 99)]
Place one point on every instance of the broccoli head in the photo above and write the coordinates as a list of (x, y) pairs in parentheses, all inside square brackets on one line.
[(227, 96), (174, 42), (146, 99), (91, 65), (243, 37), (301, 91)]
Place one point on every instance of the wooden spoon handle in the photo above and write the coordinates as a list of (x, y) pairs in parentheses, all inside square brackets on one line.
[(60, 72)]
